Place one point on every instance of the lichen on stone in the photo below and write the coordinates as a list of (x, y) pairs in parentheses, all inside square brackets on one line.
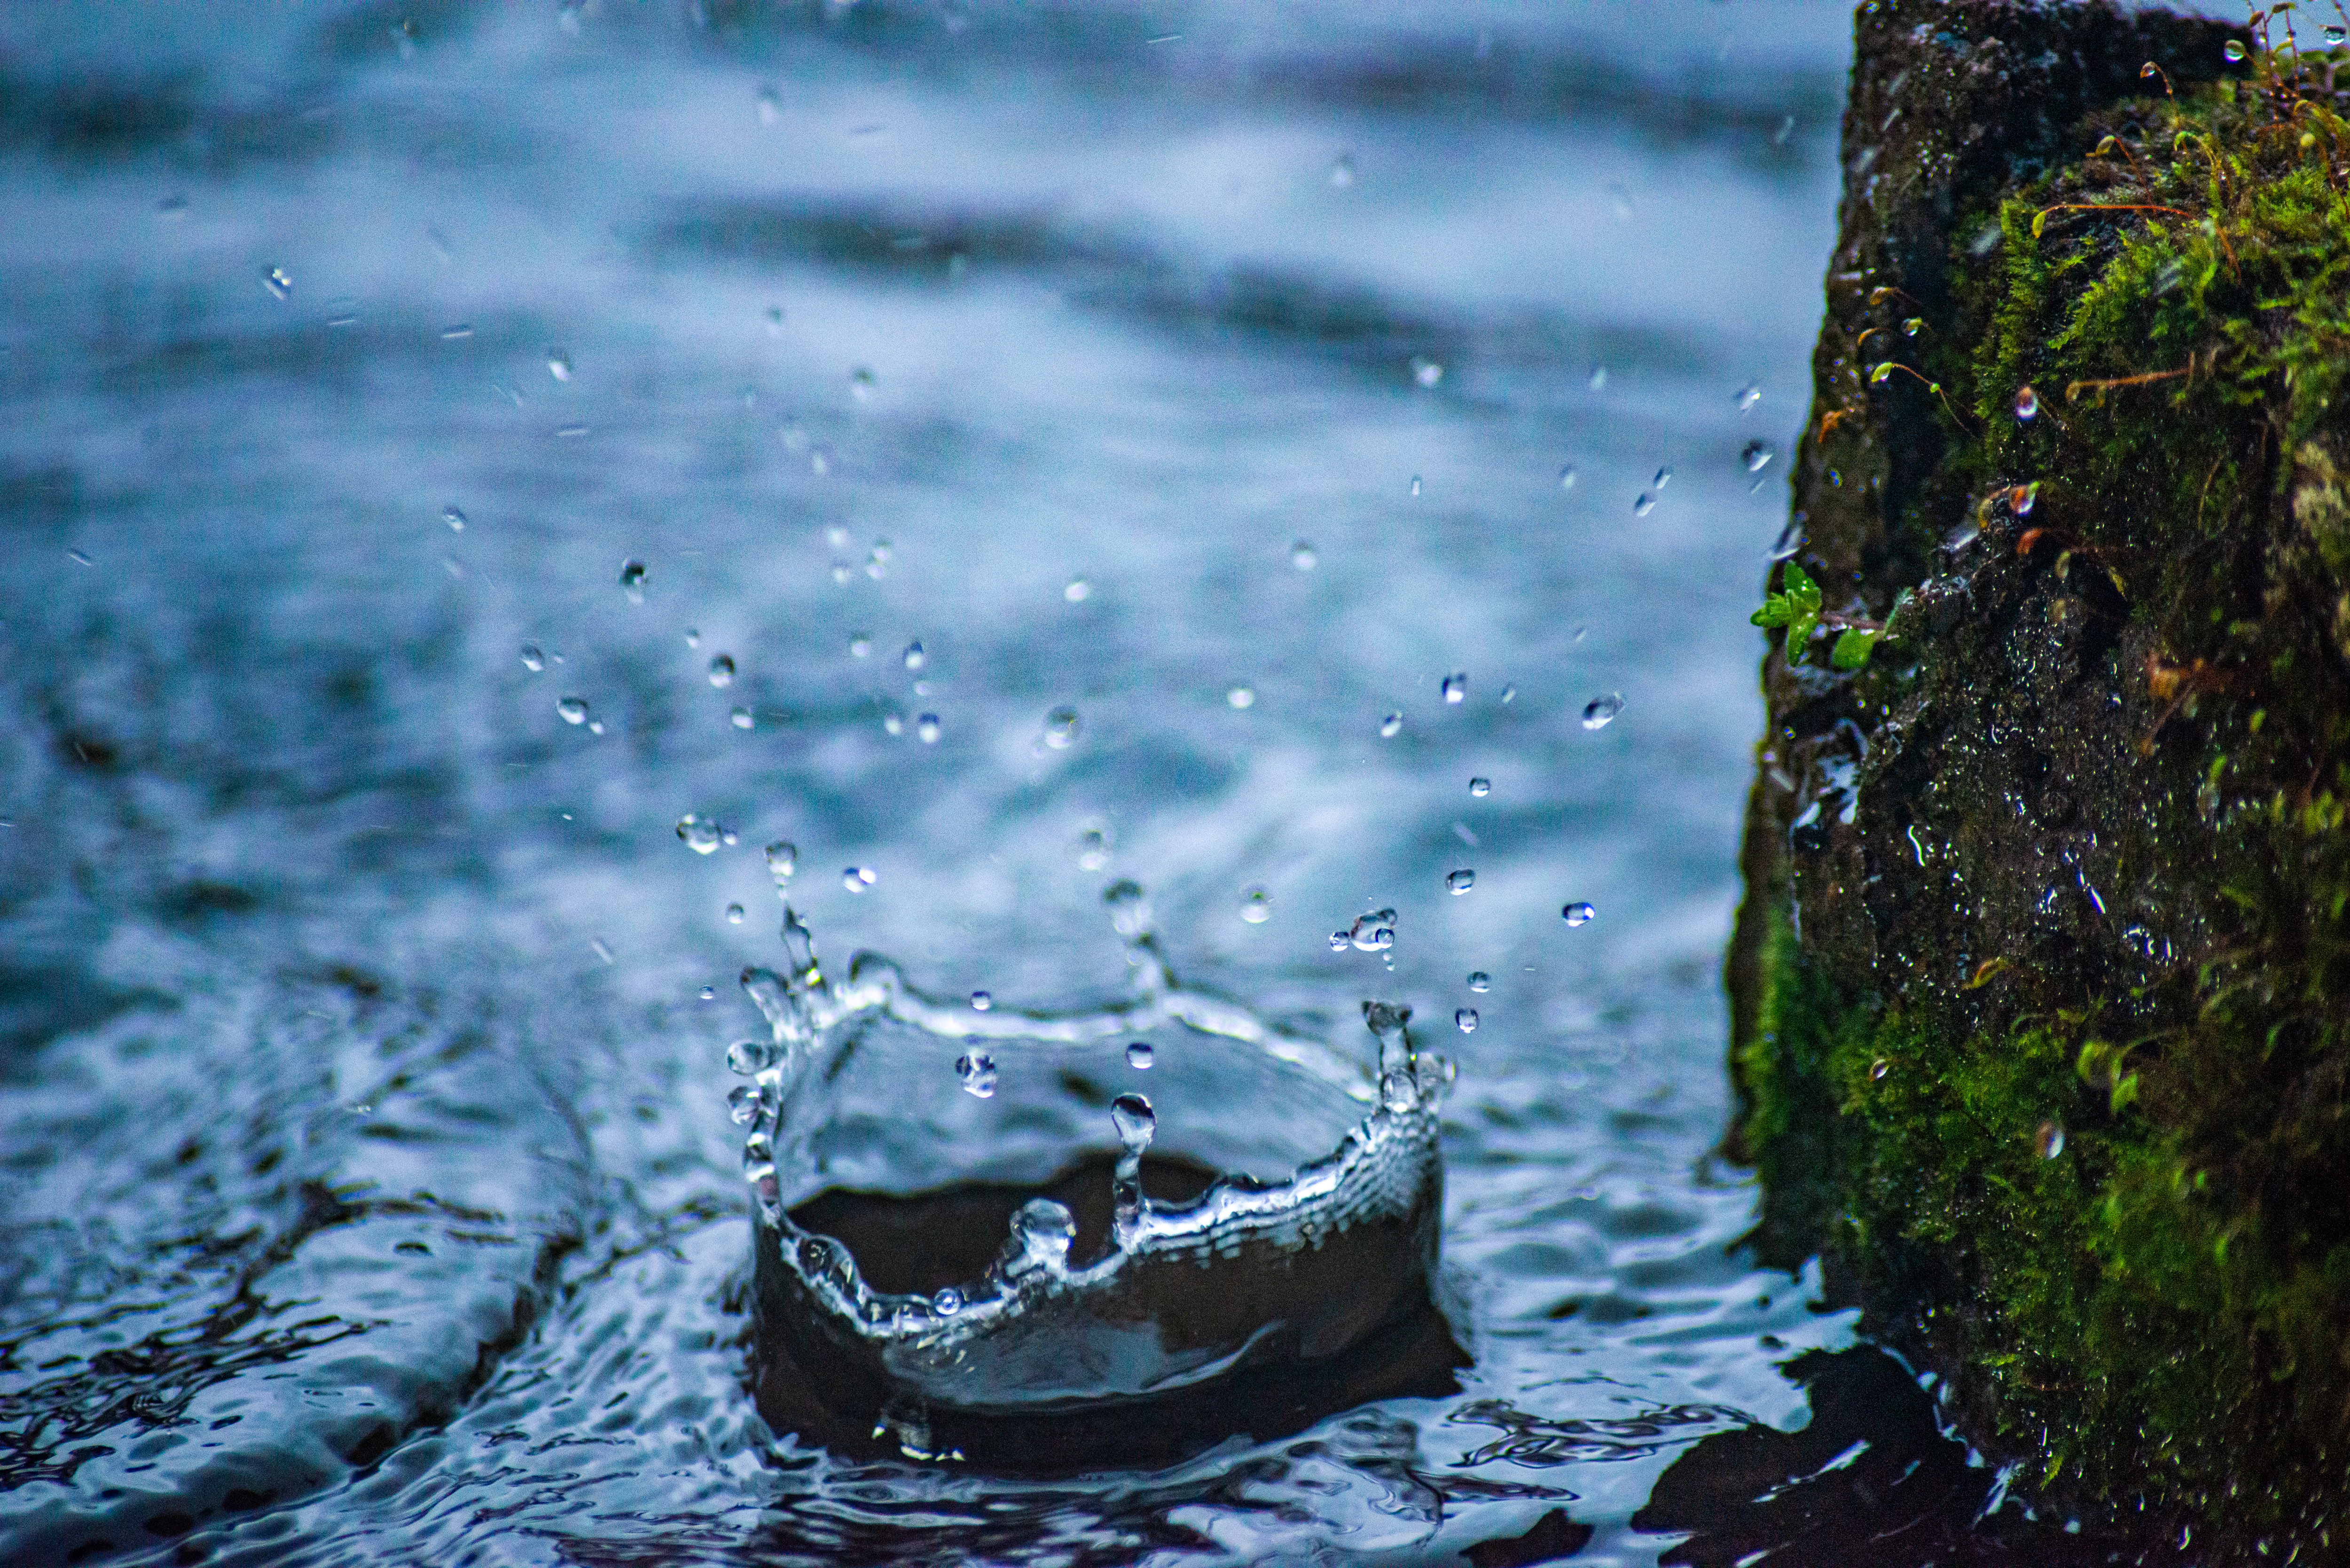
[(2041, 993)]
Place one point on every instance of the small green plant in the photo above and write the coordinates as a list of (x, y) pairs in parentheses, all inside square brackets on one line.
[(1796, 607)]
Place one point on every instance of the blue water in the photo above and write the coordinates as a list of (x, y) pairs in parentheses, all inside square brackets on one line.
[(367, 1192)]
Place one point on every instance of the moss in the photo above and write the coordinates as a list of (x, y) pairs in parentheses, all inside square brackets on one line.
[(2070, 853)]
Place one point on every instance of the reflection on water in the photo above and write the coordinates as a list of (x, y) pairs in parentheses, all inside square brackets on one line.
[(449, 445)]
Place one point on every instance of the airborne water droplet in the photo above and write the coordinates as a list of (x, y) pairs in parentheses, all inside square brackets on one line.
[(1748, 396), (1579, 914), (573, 709), (1415, 484), (1479, 982), (740, 719), (559, 364), (1754, 454), (1600, 711), (1140, 1055), (1079, 591), (860, 645), (782, 860), (977, 1071), (926, 729), (1342, 170), (632, 579), (1459, 882), (1061, 728), (532, 659), (1791, 538), (701, 833), (1301, 556), (1242, 697), (857, 878), (734, 914), (1480, 788), (2233, 51), (1257, 905), (2334, 35), (1566, 477), (278, 283), (1644, 506), (982, 1001), (2027, 403), (1426, 371), (722, 671), (1456, 689), (914, 656), (455, 518), (1465, 1019), (1389, 725)]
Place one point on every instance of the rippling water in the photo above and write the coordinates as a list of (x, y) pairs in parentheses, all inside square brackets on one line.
[(1208, 371)]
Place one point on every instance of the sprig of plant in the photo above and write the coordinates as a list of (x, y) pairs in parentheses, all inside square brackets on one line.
[(1797, 607)]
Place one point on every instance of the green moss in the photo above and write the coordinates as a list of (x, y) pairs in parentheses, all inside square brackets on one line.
[(2156, 1313)]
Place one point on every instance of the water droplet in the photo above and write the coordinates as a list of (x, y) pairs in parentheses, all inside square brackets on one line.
[(2027, 403), (980, 1002), (1479, 982), (700, 833), (2233, 51), (1600, 711), (709, 994), (876, 560), (1748, 396), (632, 579), (1337, 941), (977, 1071), (740, 719), (1566, 477), (594, 726), (734, 914), (926, 729), (1510, 693), (914, 657), (1415, 484), (861, 384), (1389, 726), (782, 860), (1664, 476), (2336, 34), (573, 709), (1135, 1122), (601, 950), (746, 1057), (857, 878), (1093, 849), (1342, 170), (1480, 788), (559, 364), (278, 283), (1140, 1055), (455, 518), (1257, 905), (532, 659), (1456, 689), (1242, 697), (2049, 1141), (893, 719), (1579, 914), (770, 108), (1372, 933), (1644, 506), (860, 646), (1465, 1019), (1960, 537), (1791, 538), (1061, 728), (1424, 371), (1754, 454), (1079, 591), (1877, 1069), (1459, 882), (1598, 377), (722, 671), (1301, 556), (2021, 499), (1041, 1234)]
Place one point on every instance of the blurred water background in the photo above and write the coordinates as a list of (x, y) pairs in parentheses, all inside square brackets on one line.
[(1227, 375)]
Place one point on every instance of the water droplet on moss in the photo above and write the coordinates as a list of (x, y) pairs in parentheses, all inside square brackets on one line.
[(2027, 403), (2049, 1141)]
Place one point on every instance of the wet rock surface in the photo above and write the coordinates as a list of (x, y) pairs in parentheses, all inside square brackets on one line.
[(2036, 983)]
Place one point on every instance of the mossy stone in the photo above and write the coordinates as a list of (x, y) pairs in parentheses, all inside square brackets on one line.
[(2041, 991)]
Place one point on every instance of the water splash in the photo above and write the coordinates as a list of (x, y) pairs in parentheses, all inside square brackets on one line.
[(1244, 1272)]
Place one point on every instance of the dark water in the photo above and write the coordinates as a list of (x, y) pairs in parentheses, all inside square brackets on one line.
[(367, 1189)]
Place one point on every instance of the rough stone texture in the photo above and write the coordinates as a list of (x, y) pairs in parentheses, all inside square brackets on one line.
[(2044, 916)]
